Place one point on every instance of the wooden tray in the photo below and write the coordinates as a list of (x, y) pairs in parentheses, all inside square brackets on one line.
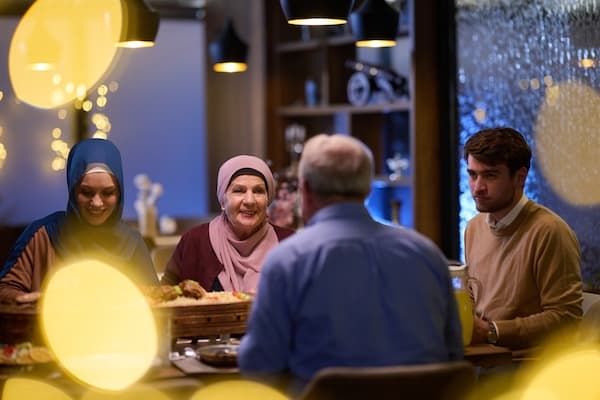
[(206, 320), (18, 323)]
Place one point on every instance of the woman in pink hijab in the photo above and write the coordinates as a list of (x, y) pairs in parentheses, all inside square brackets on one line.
[(228, 252)]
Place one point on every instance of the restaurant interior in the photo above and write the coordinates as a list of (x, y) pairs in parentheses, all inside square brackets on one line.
[(455, 67)]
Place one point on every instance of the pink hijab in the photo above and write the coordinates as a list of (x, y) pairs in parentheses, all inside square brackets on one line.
[(242, 259)]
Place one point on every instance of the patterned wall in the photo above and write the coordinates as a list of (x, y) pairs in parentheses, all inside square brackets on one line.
[(533, 65)]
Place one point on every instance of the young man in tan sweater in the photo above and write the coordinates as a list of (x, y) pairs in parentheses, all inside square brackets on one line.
[(523, 258)]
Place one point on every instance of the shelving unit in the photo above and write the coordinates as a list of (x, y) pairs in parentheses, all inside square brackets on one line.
[(296, 55)]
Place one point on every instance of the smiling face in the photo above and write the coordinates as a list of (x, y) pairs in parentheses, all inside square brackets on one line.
[(245, 205), (492, 187), (97, 196)]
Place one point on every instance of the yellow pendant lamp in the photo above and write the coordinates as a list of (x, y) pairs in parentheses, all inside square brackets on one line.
[(316, 12), (139, 26)]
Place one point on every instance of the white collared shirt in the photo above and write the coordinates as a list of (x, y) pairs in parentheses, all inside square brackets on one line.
[(508, 218)]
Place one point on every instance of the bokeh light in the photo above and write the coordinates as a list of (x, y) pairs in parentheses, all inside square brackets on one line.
[(101, 101), (23, 388), (99, 325), (61, 150), (238, 389), (136, 392), (102, 90), (60, 36), (58, 164), (567, 139), (3, 154), (87, 105), (100, 135), (572, 375)]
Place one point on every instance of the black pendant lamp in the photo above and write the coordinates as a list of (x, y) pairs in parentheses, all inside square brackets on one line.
[(375, 24), (229, 52), (316, 12), (139, 26)]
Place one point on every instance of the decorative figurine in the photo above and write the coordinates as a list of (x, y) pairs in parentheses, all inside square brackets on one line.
[(374, 84), (145, 204)]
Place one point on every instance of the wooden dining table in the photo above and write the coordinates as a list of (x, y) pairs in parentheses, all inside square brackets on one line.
[(488, 355)]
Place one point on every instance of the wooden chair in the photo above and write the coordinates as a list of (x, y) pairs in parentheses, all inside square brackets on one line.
[(451, 380), (160, 257)]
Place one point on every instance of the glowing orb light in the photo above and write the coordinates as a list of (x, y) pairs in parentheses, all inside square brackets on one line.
[(23, 388), (572, 375), (238, 389), (136, 392), (567, 141), (60, 44), (99, 325)]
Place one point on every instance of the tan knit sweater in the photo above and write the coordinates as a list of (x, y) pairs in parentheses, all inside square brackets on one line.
[(527, 275)]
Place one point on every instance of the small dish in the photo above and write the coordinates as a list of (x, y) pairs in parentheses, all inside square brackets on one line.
[(221, 355)]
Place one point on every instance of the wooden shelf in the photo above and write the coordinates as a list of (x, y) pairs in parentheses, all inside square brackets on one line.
[(384, 180), (296, 55), (296, 111)]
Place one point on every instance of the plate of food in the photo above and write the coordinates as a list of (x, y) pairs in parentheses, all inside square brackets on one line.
[(24, 354), (219, 355), (191, 293), (191, 311)]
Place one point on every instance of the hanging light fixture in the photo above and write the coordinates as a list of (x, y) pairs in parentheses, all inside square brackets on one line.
[(375, 24), (316, 12), (229, 52), (140, 24)]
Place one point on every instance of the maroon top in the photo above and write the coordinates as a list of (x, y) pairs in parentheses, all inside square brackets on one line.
[(194, 258)]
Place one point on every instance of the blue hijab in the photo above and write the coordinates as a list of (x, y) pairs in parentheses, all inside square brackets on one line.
[(113, 242)]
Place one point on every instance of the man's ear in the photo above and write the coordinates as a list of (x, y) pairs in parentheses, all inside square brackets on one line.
[(304, 186), (305, 192), (522, 175)]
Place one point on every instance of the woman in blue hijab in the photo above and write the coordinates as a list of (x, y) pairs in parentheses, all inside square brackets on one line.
[(91, 227)]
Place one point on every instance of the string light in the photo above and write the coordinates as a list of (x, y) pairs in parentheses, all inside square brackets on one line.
[(83, 102), (102, 90), (3, 154), (87, 105), (99, 119)]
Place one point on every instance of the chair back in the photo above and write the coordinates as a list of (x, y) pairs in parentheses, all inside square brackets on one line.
[(160, 257), (449, 380)]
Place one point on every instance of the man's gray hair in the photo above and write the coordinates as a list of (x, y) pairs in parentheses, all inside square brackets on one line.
[(336, 165)]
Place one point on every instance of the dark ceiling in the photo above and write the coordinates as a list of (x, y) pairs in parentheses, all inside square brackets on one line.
[(166, 8)]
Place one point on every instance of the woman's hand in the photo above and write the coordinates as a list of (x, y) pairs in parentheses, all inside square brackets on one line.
[(28, 297)]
